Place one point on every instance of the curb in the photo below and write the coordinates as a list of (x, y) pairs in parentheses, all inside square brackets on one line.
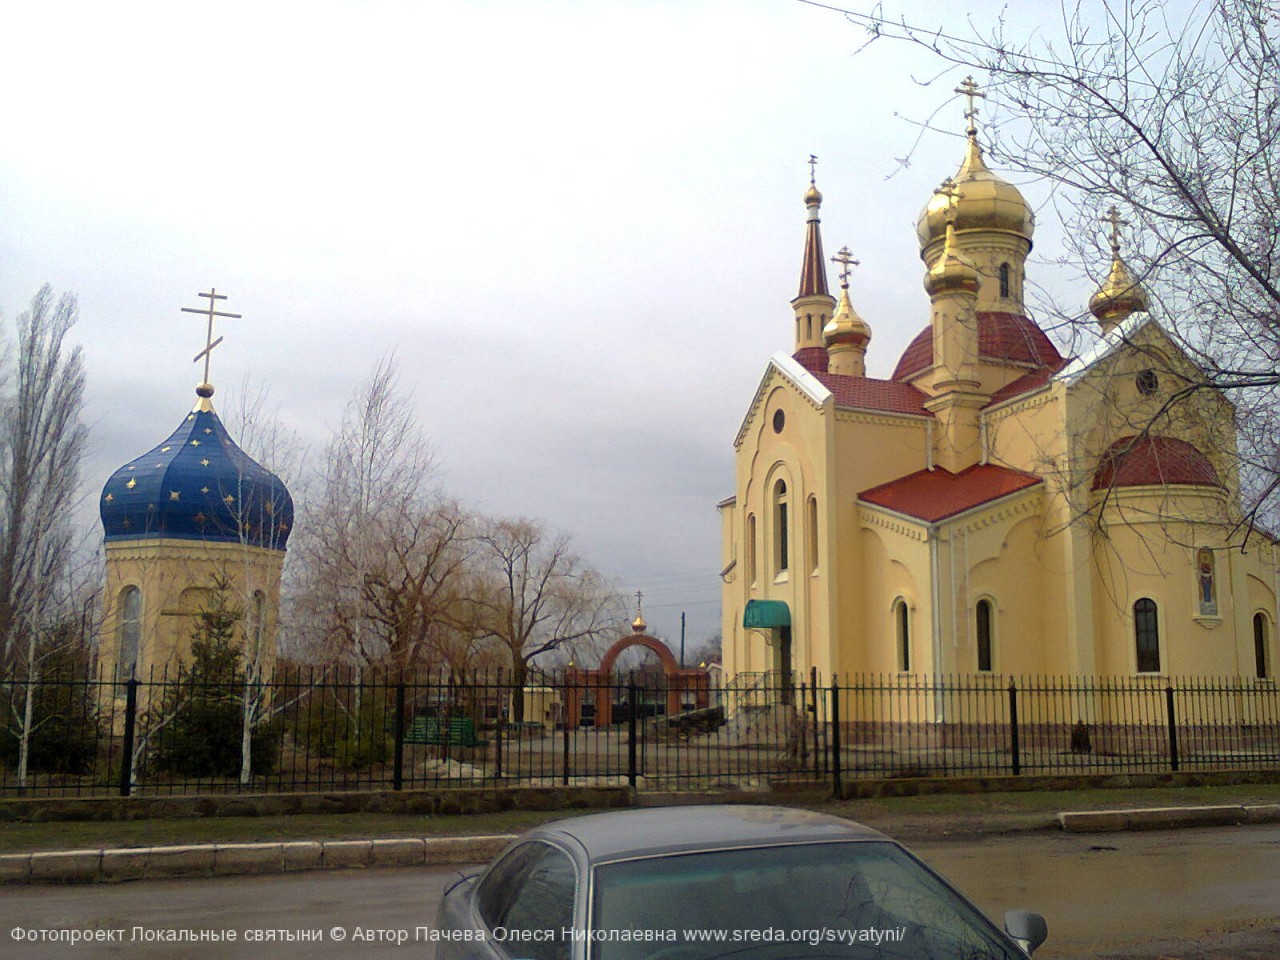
[(1167, 818), (239, 859)]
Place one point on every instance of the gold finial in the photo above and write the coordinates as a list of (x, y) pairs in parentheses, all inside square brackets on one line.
[(638, 624), (969, 88), (1120, 293), (205, 389), (1113, 218), (845, 259)]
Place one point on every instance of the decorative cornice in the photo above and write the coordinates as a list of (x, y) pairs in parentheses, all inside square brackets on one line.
[(884, 418), (872, 516), (1035, 397)]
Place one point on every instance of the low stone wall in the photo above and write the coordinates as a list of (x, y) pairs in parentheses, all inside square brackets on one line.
[(432, 802), (919, 786)]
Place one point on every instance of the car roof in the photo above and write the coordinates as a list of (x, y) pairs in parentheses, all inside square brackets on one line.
[(625, 834)]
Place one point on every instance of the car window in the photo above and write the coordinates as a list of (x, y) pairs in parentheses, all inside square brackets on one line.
[(863, 901), (529, 894)]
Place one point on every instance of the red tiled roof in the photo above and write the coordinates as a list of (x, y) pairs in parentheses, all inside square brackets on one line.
[(1001, 336), (1026, 383), (1153, 461), (864, 393), (813, 359), (933, 495)]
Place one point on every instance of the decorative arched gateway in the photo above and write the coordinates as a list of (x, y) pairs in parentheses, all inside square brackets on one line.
[(684, 685)]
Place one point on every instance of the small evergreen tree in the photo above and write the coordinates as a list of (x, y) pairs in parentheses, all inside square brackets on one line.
[(202, 711)]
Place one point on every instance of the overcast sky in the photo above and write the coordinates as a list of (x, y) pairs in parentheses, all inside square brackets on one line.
[(578, 224)]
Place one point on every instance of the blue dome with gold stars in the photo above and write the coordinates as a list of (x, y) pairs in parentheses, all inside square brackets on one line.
[(197, 485)]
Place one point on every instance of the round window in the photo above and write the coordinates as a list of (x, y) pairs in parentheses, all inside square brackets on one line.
[(779, 421), (1148, 382)]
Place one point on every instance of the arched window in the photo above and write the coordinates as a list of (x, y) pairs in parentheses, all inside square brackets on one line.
[(902, 626), (1146, 634), (130, 632), (1206, 588), (811, 534), (982, 618), (751, 548), (781, 554), (1261, 645), (1004, 280)]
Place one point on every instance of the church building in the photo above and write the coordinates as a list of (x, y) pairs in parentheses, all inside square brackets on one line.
[(994, 507), (193, 526)]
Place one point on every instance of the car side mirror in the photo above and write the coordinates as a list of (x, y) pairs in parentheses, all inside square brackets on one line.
[(1028, 928)]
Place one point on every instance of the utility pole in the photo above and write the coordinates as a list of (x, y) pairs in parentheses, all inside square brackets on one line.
[(681, 639)]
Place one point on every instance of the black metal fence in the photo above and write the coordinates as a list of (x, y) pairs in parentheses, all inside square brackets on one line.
[(331, 730)]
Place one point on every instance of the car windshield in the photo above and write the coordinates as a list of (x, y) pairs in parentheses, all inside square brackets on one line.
[(865, 900)]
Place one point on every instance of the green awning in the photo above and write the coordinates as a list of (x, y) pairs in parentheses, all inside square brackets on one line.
[(766, 614)]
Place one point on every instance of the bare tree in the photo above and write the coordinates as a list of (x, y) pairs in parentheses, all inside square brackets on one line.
[(382, 554), (42, 443), (1170, 112), (541, 596)]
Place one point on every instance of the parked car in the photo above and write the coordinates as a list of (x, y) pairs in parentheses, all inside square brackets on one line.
[(713, 882)]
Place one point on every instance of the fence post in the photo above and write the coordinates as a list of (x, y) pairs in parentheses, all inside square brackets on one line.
[(1173, 728), (130, 715), (836, 786), (397, 775), (812, 706), (1015, 755), (565, 728), (632, 731)]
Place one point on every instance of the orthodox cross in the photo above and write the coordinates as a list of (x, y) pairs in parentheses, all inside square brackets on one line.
[(845, 259), (813, 167), (1113, 218), (948, 189), (639, 598), (969, 88), (209, 343)]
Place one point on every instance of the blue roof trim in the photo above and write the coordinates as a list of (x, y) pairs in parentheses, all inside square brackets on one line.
[(197, 485)]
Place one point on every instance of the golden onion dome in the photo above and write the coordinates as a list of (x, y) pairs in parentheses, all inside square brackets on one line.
[(812, 196), (846, 326), (1119, 295), (985, 202)]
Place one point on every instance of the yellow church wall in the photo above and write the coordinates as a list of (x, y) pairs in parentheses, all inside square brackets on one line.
[(895, 567), (164, 571), (1146, 549), (1005, 568), (1027, 435), (764, 457)]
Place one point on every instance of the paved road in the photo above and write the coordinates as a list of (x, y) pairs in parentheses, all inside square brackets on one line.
[(1133, 896)]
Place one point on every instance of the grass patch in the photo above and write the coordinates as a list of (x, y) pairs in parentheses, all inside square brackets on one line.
[(72, 835), (943, 812)]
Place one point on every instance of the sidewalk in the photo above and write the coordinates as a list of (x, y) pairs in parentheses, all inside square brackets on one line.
[(116, 864)]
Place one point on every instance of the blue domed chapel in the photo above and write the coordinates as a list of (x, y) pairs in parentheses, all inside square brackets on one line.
[(193, 523)]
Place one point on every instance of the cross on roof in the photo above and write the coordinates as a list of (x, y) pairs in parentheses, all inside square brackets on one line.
[(948, 189), (845, 259), (969, 87), (1113, 218), (209, 343), (639, 599)]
